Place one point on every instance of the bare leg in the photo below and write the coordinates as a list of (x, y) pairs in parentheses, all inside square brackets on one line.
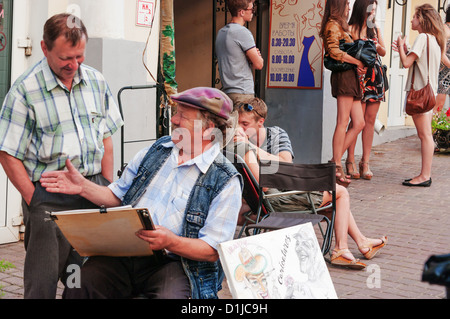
[(370, 117), (350, 161), (423, 126), (346, 107), (345, 223)]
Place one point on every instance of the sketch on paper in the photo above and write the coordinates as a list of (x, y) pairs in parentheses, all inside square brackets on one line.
[(282, 264)]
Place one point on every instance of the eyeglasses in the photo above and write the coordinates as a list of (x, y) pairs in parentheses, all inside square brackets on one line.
[(249, 108)]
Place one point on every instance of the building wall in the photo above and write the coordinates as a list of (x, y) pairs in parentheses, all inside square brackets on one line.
[(116, 48)]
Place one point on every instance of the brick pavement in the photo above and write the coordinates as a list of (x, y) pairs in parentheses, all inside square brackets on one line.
[(416, 221)]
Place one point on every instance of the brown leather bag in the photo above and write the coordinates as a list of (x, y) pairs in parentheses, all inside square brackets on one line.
[(422, 100)]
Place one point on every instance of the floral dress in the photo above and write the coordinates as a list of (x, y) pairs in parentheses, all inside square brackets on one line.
[(372, 83), (444, 74)]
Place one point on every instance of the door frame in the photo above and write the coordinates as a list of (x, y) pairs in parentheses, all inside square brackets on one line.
[(10, 199), (398, 74)]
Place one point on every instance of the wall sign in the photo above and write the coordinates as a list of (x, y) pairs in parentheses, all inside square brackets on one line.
[(295, 47), (144, 12)]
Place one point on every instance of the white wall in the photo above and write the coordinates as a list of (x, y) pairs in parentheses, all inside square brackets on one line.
[(113, 22)]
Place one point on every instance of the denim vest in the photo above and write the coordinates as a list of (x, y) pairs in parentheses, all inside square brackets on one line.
[(205, 277)]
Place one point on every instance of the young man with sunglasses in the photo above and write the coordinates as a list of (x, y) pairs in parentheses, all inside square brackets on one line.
[(237, 54), (271, 143), (253, 141)]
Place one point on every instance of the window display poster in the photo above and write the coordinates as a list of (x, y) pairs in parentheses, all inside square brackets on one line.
[(295, 47)]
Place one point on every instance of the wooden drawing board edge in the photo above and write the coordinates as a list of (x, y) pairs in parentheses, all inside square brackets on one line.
[(106, 232)]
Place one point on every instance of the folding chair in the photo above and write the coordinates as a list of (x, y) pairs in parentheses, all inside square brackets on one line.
[(291, 178), (250, 192)]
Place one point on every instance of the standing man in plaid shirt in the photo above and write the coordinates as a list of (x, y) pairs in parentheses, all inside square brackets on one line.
[(59, 109)]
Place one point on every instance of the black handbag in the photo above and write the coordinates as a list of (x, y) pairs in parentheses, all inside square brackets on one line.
[(336, 66), (363, 50)]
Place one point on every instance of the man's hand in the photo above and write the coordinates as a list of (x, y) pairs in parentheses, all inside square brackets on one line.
[(191, 248), (160, 238), (240, 136), (67, 182)]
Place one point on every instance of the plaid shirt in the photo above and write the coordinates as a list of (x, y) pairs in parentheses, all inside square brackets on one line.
[(42, 123), (168, 194)]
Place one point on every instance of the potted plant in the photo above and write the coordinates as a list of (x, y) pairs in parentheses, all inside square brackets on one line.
[(441, 128)]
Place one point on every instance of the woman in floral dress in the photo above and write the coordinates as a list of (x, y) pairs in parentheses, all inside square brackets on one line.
[(363, 26)]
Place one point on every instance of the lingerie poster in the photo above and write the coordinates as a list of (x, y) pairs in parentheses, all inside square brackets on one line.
[(295, 47)]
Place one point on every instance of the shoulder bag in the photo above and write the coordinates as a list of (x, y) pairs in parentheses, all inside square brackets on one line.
[(422, 100)]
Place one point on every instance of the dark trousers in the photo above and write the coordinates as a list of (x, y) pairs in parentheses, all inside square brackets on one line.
[(48, 253), (128, 277)]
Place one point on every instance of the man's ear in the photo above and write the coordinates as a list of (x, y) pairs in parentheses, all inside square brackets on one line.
[(209, 131), (260, 122), (44, 48)]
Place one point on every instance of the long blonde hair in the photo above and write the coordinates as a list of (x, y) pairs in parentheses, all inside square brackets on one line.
[(430, 21)]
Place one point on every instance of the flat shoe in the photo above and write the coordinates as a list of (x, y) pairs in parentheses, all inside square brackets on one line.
[(373, 249), (338, 260), (423, 184)]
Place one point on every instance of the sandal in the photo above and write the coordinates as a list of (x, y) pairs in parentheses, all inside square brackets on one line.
[(373, 249), (351, 170), (341, 179), (338, 260), (367, 174)]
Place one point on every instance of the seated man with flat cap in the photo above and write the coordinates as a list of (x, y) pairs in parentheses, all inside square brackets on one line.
[(193, 194)]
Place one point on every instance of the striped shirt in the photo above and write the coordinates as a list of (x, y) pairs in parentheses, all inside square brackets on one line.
[(277, 140), (168, 194), (42, 123)]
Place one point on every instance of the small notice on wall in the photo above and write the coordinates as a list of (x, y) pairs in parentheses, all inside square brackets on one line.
[(144, 12), (295, 47)]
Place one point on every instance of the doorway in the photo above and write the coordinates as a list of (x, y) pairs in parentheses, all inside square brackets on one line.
[(196, 26), (9, 201), (398, 74)]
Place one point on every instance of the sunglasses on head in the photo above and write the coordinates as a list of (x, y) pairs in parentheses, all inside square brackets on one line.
[(249, 108)]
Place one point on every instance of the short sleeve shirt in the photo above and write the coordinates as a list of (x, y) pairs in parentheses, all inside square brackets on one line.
[(277, 140), (232, 43), (42, 123), (422, 67)]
